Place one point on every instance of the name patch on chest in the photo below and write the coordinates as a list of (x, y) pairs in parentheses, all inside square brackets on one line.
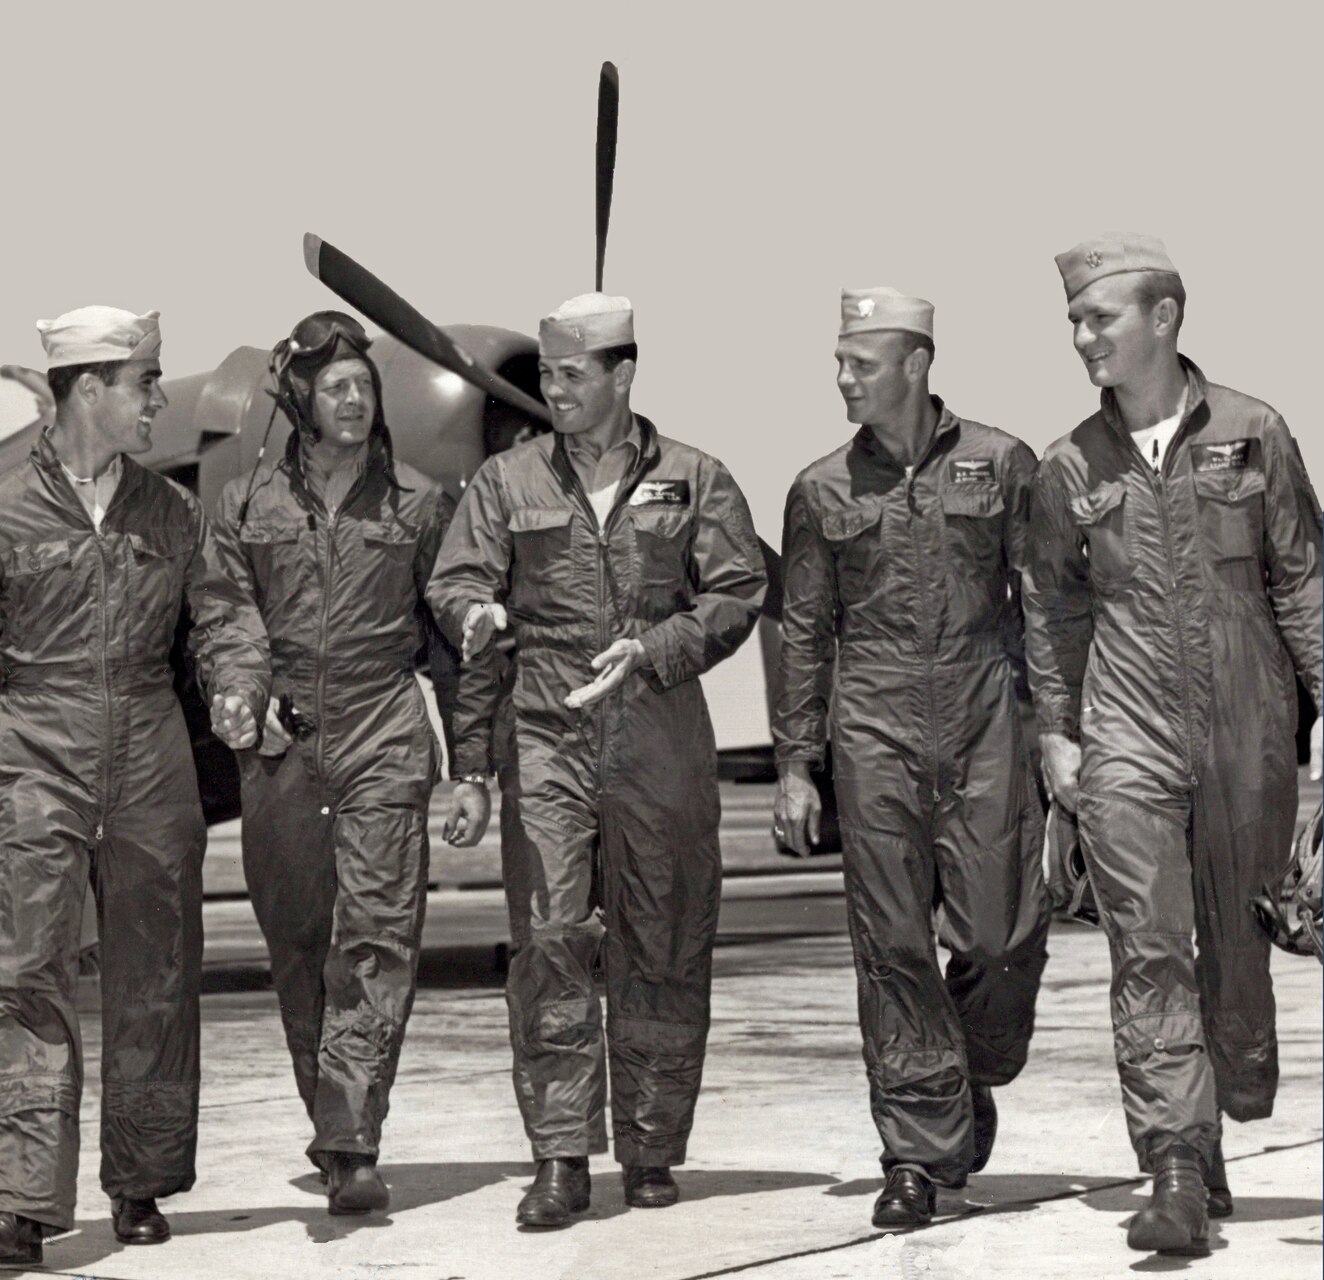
[(662, 493), (1230, 455), (973, 471)]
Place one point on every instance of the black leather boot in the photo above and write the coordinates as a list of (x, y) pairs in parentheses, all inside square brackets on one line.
[(560, 1188), (20, 1240), (986, 1124), (138, 1221), (353, 1184), (906, 1200), (1175, 1220), (649, 1186)]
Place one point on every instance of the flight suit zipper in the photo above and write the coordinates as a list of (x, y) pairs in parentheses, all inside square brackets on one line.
[(105, 682), (103, 605), (930, 638), (602, 541), (319, 701), (1158, 486)]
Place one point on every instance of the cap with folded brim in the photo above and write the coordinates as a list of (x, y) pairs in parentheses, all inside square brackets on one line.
[(878, 310), (93, 335), (590, 322), (1111, 255)]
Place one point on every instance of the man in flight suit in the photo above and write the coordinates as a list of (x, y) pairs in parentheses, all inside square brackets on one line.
[(1173, 585), (628, 565), (334, 544), (902, 557), (96, 774)]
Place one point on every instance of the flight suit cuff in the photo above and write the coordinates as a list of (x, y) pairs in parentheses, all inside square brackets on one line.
[(473, 756), (1063, 725), (659, 671), (796, 755)]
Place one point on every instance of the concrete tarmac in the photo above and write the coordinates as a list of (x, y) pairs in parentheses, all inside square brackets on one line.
[(783, 1161)]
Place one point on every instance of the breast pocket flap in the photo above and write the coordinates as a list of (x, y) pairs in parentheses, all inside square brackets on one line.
[(1090, 508), (840, 525), (35, 557), (269, 531), (533, 519)]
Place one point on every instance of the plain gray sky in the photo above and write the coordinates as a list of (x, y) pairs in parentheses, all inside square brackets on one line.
[(172, 156)]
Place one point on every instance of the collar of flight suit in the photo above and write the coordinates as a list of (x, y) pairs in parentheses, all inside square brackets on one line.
[(947, 422), (646, 458), (1197, 385), (371, 464), (46, 460)]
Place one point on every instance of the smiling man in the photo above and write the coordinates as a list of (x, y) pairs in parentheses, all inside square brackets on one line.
[(1173, 585), (96, 556), (903, 551), (627, 565), (334, 543)]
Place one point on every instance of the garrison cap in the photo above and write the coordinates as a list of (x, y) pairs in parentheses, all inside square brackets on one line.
[(93, 335), (590, 322), (1110, 255), (880, 309)]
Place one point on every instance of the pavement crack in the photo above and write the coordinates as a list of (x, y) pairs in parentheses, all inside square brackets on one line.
[(975, 1211)]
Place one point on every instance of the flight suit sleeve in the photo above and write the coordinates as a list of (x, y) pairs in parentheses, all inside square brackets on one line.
[(1017, 483), (1292, 553), (465, 702), (227, 643), (473, 564), (728, 570), (1059, 620), (809, 625)]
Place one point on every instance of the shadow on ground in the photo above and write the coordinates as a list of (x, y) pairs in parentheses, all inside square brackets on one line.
[(695, 1185), (439, 968), (412, 1187)]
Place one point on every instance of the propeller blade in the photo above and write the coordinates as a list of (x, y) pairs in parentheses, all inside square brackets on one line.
[(609, 106), (383, 306)]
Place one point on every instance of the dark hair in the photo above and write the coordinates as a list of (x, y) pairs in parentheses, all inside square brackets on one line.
[(612, 356), (916, 342), (1153, 286), (62, 378)]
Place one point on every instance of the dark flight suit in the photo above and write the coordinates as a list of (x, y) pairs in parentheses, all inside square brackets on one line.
[(96, 772), (335, 836), (1165, 614), (910, 583), (618, 804)]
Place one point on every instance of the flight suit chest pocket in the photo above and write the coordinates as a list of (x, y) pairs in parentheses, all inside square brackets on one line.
[(38, 585), (972, 518), (853, 534), (279, 565), (389, 547), (661, 536), (540, 565), (1101, 516), (1232, 520), (1231, 512), (159, 558)]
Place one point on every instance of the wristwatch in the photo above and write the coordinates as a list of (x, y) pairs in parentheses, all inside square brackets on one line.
[(474, 779)]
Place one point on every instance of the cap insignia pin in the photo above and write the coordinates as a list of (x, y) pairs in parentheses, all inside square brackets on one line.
[(1094, 258), (865, 306)]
